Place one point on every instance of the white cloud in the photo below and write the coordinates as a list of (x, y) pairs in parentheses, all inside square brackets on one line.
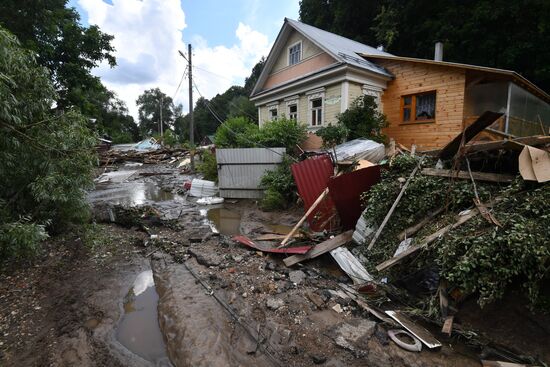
[(148, 35)]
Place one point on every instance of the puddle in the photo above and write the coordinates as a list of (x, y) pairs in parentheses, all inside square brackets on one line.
[(226, 222), (279, 228), (139, 329), (131, 193)]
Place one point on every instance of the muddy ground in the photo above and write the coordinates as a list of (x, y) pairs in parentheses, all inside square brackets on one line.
[(157, 287)]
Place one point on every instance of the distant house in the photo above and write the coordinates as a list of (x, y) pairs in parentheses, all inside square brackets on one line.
[(313, 75), (207, 140)]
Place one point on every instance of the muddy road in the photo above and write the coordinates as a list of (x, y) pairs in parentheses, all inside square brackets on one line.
[(157, 281)]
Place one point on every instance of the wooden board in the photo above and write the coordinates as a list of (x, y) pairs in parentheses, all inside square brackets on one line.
[(411, 250), (515, 144), (480, 176), (485, 120), (321, 248)]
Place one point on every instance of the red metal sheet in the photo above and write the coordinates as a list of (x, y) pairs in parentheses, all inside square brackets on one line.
[(346, 191), (311, 177), (287, 250)]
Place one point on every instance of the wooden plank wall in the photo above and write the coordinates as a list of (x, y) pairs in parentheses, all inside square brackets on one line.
[(410, 78)]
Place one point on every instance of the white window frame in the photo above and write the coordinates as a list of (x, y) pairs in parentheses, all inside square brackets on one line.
[(314, 95), (272, 107), (293, 101), (288, 53)]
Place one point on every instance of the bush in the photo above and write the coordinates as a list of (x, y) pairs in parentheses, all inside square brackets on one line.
[(46, 158), (208, 166), (363, 120), (237, 132), (282, 132), (280, 187)]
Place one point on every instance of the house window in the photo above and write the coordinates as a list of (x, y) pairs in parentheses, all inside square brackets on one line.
[(272, 113), (294, 53), (293, 111), (316, 106), (418, 107)]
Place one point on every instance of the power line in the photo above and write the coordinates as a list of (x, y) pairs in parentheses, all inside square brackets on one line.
[(181, 80), (211, 72), (234, 132)]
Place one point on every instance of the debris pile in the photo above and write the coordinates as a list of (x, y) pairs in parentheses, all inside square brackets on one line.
[(161, 155)]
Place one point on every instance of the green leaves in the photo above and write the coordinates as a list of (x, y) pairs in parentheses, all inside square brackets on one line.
[(363, 120)]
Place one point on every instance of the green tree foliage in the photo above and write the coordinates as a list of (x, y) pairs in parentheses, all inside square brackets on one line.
[(46, 158), (282, 132), (208, 166), (237, 132), (115, 122), (363, 120), (501, 34), (251, 80), (68, 49), (150, 104), (333, 135)]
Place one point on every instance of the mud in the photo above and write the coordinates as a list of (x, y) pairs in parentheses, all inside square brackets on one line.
[(78, 304)]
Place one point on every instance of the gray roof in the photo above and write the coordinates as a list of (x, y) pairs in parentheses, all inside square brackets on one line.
[(341, 48)]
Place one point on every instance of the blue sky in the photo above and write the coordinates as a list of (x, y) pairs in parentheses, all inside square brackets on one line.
[(228, 38)]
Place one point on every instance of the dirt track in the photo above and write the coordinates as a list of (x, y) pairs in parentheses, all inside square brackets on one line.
[(64, 309)]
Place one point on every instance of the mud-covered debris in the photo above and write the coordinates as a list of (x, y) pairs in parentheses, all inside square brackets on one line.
[(274, 303), (316, 299), (297, 276), (205, 258)]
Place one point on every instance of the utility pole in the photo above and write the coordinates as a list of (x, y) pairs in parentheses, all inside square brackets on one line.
[(192, 122), (160, 109)]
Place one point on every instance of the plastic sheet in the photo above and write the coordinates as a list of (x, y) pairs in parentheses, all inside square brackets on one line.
[(360, 149)]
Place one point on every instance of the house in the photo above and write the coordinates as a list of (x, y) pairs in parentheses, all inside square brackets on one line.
[(313, 75)]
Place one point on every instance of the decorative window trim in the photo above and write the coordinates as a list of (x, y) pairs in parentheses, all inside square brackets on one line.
[(272, 107), (412, 107), (373, 91), (288, 53), (295, 102), (312, 95)]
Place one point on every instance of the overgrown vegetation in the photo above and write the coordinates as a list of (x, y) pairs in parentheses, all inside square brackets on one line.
[(332, 135), (280, 189), (46, 157), (208, 166), (477, 257), (363, 120), (239, 132)]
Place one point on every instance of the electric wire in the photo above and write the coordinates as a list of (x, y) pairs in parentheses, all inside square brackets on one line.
[(234, 132)]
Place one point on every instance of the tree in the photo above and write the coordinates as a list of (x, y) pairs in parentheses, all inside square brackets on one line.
[(251, 80), (363, 120), (69, 50), (115, 122), (46, 157), (150, 104), (494, 33)]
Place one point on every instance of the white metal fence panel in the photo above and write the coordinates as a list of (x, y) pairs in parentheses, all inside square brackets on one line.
[(240, 170)]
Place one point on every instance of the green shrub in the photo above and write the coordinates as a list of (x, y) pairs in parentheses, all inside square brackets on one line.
[(237, 132), (208, 166), (280, 187), (282, 132), (46, 158), (363, 120)]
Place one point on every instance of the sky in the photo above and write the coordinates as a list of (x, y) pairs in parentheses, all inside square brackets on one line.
[(228, 38)]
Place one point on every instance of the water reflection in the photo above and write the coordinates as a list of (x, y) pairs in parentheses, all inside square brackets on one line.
[(139, 329), (130, 194)]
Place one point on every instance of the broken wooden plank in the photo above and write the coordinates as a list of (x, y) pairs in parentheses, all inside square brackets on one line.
[(448, 325), (390, 212), (321, 248), (485, 120), (275, 237), (516, 144), (411, 250), (379, 314), (480, 176), (418, 226), (418, 331), (303, 219)]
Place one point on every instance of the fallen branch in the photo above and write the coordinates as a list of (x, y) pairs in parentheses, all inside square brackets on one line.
[(390, 212), (418, 226)]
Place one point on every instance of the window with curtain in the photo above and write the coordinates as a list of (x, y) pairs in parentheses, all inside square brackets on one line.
[(418, 107)]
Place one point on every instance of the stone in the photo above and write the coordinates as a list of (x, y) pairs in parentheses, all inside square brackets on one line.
[(238, 258), (274, 303), (206, 259), (271, 265), (297, 276), (337, 308), (318, 358)]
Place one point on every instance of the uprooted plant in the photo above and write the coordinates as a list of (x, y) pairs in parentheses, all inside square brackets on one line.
[(477, 257)]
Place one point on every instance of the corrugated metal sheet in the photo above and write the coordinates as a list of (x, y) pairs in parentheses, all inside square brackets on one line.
[(311, 177), (346, 191), (240, 170)]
